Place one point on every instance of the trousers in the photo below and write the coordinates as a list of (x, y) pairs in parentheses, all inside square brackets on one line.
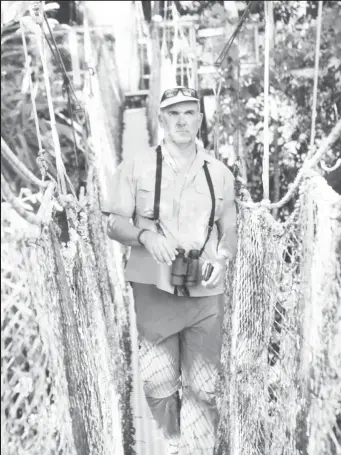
[(180, 341)]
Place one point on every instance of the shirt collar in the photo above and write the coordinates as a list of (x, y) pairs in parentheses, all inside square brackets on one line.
[(167, 157), (201, 156), (201, 153)]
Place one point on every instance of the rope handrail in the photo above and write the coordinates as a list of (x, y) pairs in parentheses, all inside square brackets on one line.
[(331, 168), (19, 166), (307, 165), (37, 14), (224, 52), (33, 100), (59, 161)]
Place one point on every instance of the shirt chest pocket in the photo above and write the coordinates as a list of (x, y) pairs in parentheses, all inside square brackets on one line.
[(199, 203), (146, 194)]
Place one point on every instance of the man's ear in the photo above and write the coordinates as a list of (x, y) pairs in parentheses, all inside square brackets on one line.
[(201, 119), (160, 117)]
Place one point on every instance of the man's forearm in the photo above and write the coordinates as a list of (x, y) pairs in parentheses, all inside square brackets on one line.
[(120, 228), (227, 247)]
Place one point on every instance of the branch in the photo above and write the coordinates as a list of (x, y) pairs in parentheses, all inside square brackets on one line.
[(20, 167), (8, 195)]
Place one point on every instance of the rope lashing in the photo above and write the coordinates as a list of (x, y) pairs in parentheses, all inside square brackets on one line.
[(37, 11), (42, 163), (331, 168)]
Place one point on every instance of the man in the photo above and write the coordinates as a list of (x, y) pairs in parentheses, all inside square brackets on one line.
[(178, 197)]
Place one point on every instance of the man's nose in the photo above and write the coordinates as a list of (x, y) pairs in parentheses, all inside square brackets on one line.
[(181, 119)]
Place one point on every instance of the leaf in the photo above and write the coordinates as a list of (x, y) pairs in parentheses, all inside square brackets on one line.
[(12, 11), (334, 62)]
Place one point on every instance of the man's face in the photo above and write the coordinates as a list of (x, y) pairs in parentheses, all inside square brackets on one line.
[(181, 122)]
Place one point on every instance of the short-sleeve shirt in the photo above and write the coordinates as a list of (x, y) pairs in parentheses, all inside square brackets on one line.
[(185, 208)]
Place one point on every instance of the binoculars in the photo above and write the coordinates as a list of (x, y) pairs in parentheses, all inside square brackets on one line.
[(186, 270)]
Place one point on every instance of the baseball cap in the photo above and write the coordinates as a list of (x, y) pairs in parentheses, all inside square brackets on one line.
[(178, 95)]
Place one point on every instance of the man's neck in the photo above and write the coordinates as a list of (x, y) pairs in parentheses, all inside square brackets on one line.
[(182, 152)]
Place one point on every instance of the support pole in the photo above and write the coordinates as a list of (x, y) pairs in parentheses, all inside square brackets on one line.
[(316, 75), (192, 34), (265, 175)]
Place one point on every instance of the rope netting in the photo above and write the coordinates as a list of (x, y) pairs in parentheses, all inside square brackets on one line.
[(319, 306), (65, 342), (33, 381), (280, 391)]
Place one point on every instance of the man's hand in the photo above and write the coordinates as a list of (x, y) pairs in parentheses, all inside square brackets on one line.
[(161, 249), (217, 273)]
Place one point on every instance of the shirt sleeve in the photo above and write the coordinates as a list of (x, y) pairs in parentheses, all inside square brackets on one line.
[(122, 200), (227, 223)]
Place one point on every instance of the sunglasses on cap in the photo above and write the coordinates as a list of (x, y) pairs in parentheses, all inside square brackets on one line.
[(170, 93)]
